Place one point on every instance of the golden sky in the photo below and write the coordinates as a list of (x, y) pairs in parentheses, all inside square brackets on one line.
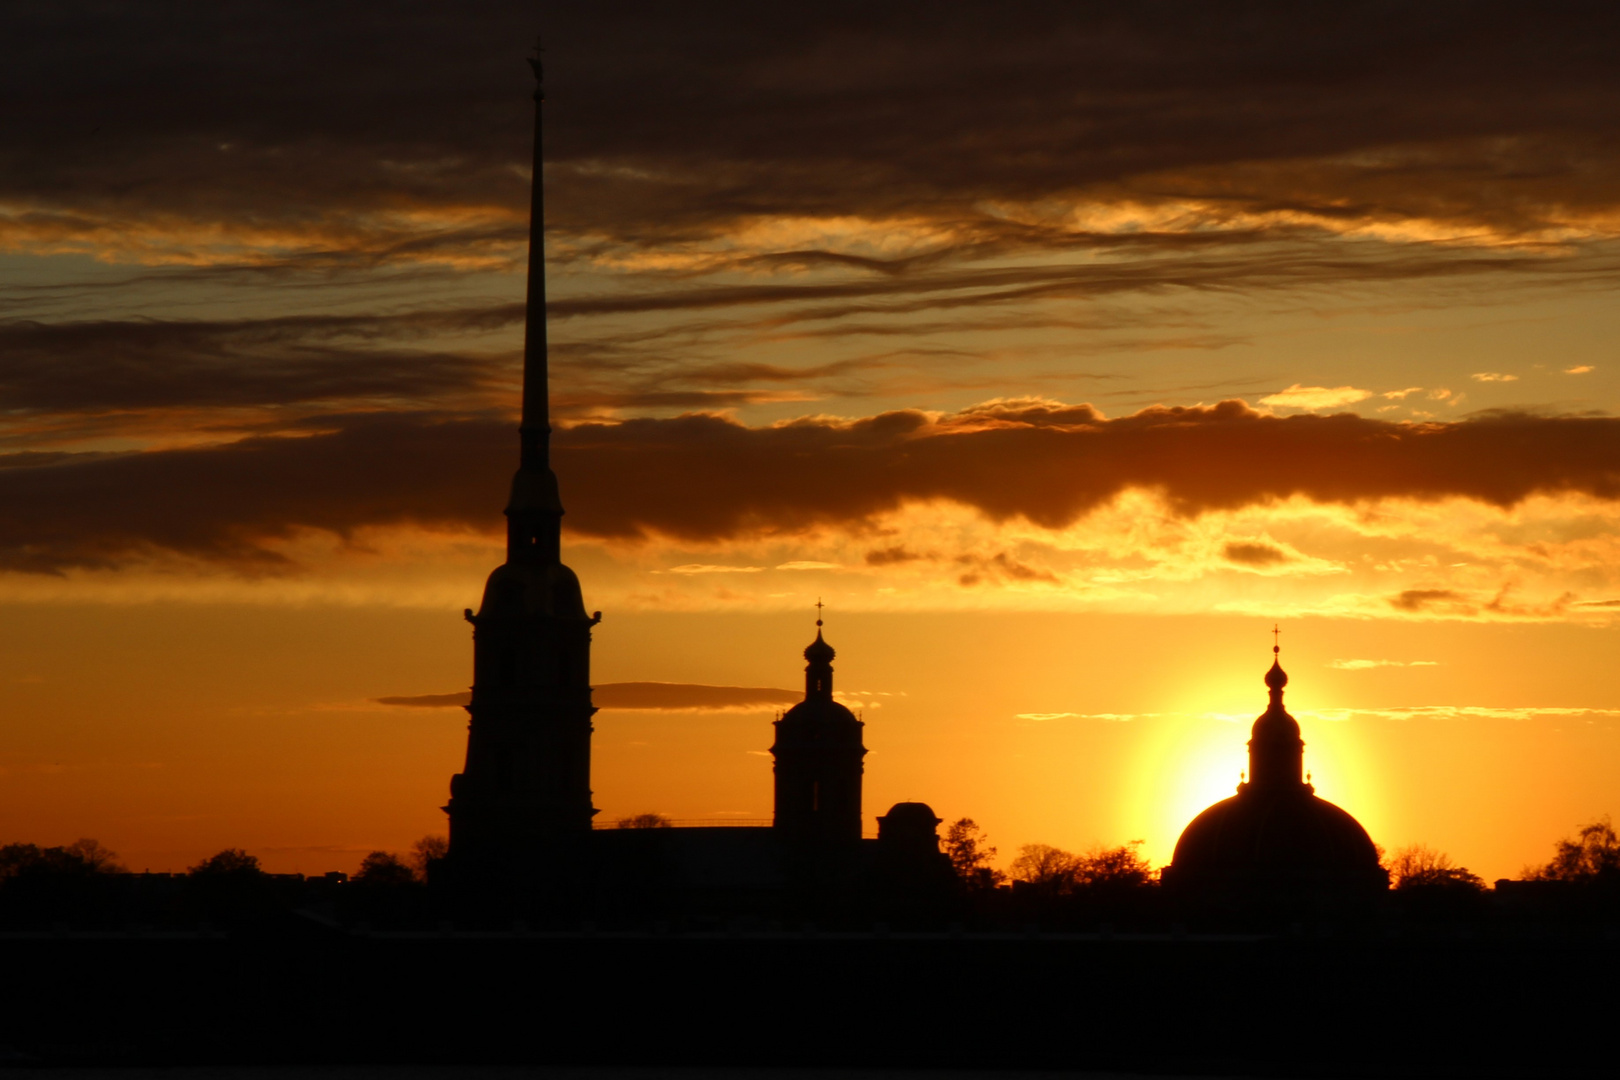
[(1060, 353)]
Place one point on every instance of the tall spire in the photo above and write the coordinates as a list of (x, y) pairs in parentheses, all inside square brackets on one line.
[(534, 512), (526, 786), (535, 431)]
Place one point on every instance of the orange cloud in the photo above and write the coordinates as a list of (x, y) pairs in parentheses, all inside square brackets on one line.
[(1316, 397)]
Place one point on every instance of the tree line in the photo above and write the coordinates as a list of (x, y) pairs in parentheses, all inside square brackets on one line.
[(85, 882)]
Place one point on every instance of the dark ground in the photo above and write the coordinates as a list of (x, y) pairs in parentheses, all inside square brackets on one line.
[(1306, 1003)]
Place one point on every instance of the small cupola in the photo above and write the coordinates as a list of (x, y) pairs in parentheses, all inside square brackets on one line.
[(818, 672)]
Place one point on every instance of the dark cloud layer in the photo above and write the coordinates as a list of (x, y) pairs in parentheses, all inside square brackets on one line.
[(226, 503), (701, 477), (706, 478), (674, 120), (152, 363)]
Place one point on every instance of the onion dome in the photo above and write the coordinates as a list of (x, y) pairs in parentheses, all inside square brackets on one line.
[(818, 651)]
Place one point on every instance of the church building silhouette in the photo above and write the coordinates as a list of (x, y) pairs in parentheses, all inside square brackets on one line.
[(1275, 840), (521, 809)]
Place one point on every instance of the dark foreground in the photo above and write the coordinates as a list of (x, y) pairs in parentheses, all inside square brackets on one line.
[(1303, 1003)]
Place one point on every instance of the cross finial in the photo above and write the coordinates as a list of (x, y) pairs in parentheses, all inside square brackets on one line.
[(819, 606), (1276, 639)]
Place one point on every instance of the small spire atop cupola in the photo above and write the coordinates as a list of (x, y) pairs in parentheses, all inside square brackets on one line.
[(818, 674), (1275, 748), (1276, 678)]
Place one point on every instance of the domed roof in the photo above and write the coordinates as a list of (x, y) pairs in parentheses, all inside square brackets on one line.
[(1284, 838), (912, 813), (1276, 678), (818, 651), (1275, 725), (910, 823), (821, 712)]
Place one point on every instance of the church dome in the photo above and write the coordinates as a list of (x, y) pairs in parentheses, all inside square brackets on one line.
[(1286, 841), (819, 718), (819, 711), (1275, 837), (909, 817), (910, 826)]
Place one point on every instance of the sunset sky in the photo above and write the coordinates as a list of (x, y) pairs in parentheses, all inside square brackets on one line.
[(1060, 349)]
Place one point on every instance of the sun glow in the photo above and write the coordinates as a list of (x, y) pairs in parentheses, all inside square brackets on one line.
[(1191, 758), (1188, 763)]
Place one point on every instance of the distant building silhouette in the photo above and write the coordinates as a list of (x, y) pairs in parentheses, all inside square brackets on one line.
[(526, 785), (521, 810), (1274, 839), (819, 760)]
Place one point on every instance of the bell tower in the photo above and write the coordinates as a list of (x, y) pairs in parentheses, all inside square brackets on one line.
[(526, 785), (819, 758)]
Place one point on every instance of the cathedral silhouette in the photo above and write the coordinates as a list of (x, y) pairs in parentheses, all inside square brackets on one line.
[(521, 807), (522, 804)]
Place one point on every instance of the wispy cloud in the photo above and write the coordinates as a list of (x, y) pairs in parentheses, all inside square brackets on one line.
[(1363, 665), (1459, 712), (1111, 717)]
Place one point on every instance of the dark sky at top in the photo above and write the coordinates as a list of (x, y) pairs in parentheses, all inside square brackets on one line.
[(676, 119), (354, 178)]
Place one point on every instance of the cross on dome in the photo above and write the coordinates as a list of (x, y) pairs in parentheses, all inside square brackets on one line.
[(1276, 678)]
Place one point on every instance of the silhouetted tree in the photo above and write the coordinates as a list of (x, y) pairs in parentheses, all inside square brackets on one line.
[(1120, 867), (228, 885), (81, 858), (427, 854), (1420, 867), (232, 862), (644, 821), (99, 859), (70, 883), (1592, 856), (383, 869), (971, 852), (1044, 867)]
